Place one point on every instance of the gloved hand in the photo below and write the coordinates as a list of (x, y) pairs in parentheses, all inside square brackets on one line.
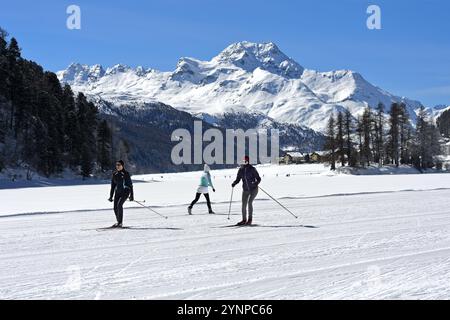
[(214, 190), (110, 200), (131, 198), (233, 185)]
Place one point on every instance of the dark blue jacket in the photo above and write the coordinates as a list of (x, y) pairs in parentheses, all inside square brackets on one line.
[(249, 176), (121, 183)]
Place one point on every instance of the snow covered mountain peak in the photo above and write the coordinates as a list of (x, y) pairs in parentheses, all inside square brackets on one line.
[(188, 69), (78, 73), (267, 56), (118, 68), (244, 77), (240, 57)]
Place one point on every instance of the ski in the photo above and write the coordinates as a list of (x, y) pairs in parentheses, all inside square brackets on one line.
[(239, 226), (112, 228)]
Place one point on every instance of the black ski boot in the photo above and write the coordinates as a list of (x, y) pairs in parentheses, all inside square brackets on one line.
[(242, 223), (190, 210)]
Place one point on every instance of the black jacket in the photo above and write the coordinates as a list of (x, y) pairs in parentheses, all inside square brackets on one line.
[(120, 183), (249, 176)]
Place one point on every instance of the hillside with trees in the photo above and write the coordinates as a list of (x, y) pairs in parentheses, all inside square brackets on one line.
[(44, 127)]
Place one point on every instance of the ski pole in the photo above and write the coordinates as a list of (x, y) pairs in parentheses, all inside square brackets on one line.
[(159, 214), (278, 203), (231, 200)]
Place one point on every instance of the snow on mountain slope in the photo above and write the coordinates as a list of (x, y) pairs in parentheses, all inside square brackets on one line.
[(244, 77), (436, 111)]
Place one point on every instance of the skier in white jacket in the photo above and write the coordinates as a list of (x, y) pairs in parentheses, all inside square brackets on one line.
[(205, 183)]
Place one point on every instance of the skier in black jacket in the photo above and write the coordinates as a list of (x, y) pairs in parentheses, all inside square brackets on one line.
[(250, 181), (121, 189)]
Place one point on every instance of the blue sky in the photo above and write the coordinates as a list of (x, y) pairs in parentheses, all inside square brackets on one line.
[(410, 56)]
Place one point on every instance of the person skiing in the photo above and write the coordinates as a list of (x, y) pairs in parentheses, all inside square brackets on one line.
[(205, 182), (121, 189), (250, 181)]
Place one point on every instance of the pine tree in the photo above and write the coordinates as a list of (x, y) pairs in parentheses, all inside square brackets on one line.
[(394, 134), (405, 134), (86, 161), (366, 152), (330, 143), (15, 86), (86, 116), (379, 133), (41, 142), (348, 133), (443, 123), (422, 130), (104, 142), (435, 147), (340, 141), (55, 123), (72, 130), (426, 142), (3, 63), (359, 132), (14, 51)]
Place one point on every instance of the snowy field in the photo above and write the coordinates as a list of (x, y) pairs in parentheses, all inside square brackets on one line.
[(382, 237)]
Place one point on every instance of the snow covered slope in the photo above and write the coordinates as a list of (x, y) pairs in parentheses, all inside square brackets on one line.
[(436, 111), (356, 238), (244, 77)]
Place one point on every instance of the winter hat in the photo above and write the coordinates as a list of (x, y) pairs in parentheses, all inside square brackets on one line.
[(121, 162), (247, 158), (206, 168)]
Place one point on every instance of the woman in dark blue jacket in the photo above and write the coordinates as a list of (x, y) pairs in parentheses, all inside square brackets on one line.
[(121, 189), (250, 181)]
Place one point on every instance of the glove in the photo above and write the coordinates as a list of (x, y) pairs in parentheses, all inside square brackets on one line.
[(233, 185), (110, 200), (214, 190), (131, 198)]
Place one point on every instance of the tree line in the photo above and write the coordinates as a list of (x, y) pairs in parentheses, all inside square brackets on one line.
[(375, 137), (43, 125)]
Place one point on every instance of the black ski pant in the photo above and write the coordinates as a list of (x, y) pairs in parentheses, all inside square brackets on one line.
[(197, 197), (119, 200), (247, 200)]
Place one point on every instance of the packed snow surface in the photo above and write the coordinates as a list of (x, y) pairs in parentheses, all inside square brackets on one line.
[(384, 236)]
